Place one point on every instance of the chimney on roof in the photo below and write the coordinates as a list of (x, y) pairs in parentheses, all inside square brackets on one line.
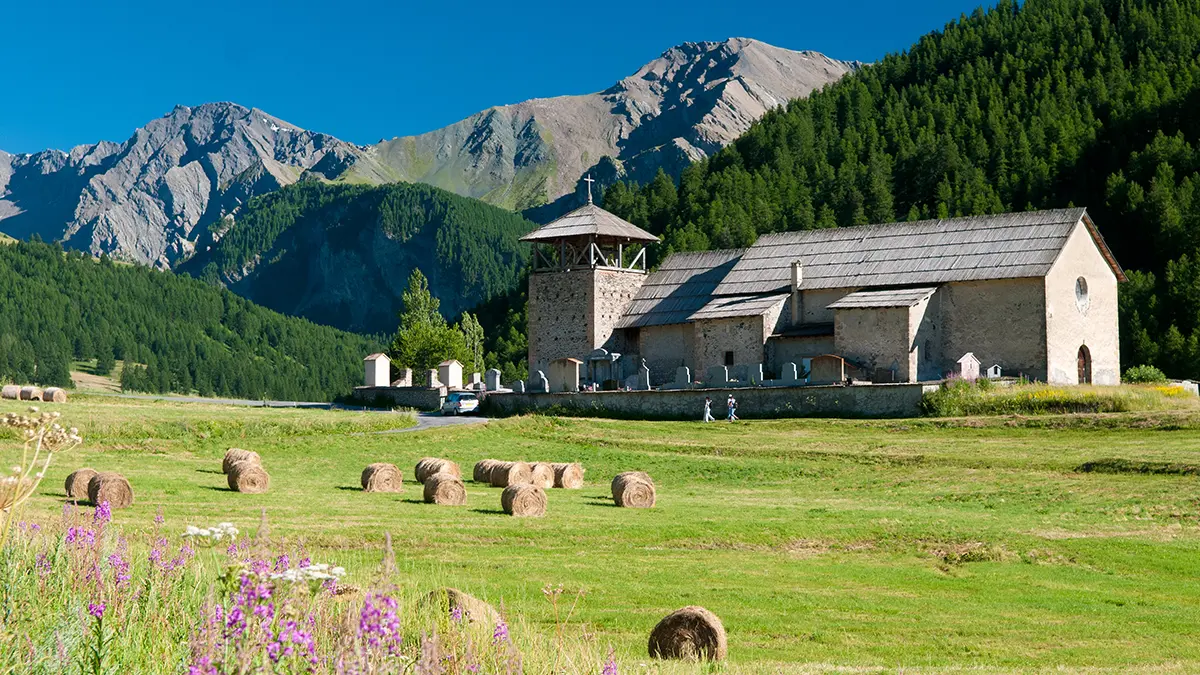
[(797, 277)]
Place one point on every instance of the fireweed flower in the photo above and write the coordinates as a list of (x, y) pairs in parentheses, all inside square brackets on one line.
[(96, 609), (378, 623), (43, 565), (102, 515), (610, 666), (456, 614), (501, 633)]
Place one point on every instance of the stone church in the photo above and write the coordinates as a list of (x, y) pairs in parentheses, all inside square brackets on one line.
[(1032, 294)]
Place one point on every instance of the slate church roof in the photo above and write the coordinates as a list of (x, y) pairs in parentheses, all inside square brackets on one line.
[(589, 220), (748, 282), (1004, 246)]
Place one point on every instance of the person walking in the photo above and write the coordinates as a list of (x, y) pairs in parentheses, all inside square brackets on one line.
[(708, 409), (731, 406)]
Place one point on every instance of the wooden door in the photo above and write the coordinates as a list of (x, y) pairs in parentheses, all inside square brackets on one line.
[(1084, 363)]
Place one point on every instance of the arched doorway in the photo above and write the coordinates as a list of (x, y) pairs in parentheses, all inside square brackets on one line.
[(1085, 365)]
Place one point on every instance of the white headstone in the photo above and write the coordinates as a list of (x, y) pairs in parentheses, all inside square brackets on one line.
[(431, 378), (643, 382), (476, 379), (754, 374), (519, 386), (492, 379), (683, 375), (718, 376), (790, 373), (542, 384)]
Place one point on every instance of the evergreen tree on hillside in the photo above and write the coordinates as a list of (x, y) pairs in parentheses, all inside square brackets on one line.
[(1042, 104), (175, 334), (425, 339)]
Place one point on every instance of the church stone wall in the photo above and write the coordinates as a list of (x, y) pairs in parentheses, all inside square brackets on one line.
[(558, 314), (665, 348), (880, 338), (572, 313), (1002, 321), (815, 303), (611, 293), (742, 335), (1071, 322)]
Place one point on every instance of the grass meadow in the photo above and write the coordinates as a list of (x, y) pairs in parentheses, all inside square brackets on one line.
[(949, 544)]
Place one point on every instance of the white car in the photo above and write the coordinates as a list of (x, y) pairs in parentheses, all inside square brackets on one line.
[(460, 403)]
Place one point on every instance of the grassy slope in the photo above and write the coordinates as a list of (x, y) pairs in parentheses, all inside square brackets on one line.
[(917, 543)]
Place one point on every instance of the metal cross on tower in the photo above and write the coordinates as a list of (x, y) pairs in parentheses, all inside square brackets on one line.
[(589, 180)]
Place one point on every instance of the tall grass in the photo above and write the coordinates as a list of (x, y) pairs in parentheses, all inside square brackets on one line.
[(960, 398)]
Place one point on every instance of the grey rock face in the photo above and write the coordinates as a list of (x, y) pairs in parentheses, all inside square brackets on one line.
[(151, 199)]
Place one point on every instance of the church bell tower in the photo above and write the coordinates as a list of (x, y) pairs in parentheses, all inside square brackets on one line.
[(587, 266)]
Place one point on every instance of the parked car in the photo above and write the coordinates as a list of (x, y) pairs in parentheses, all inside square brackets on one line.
[(460, 403)]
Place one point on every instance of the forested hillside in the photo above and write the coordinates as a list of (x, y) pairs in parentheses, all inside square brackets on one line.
[(1044, 104), (342, 254), (174, 333)]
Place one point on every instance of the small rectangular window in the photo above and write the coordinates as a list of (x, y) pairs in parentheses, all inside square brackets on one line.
[(729, 358)]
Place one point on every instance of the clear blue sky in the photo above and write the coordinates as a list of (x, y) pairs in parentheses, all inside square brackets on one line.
[(79, 72)]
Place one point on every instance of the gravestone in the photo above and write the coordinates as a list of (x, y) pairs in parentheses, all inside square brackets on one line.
[(791, 373), (539, 384), (643, 377), (519, 386), (476, 380), (431, 378), (683, 376), (753, 374), (493, 379), (718, 376), (405, 379), (450, 374)]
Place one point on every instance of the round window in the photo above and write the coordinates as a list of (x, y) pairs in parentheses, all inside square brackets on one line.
[(1081, 294)]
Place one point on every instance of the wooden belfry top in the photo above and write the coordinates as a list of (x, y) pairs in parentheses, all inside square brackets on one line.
[(589, 221)]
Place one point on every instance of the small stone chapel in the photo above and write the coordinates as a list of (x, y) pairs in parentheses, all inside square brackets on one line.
[(1033, 293)]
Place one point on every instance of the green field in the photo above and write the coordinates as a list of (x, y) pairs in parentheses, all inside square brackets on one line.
[(924, 544)]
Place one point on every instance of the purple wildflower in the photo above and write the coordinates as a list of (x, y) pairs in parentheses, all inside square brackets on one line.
[(96, 609), (43, 565), (610, 666), (120, 568), (102, 515), (501, 633), (158, 517), (378, 623), (456, 614), (282, 563)]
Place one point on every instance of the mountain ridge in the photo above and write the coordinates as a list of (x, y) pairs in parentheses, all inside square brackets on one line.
[(150, 198)]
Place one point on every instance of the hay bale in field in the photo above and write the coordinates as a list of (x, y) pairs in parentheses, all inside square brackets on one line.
[(483, 470), (11, 392), (249, 477), (445, 600), (504, 474), (430, 466), (523, 500), (541, 474), (634, 490), (691, 633), (54, 395), (31, 393), (445, 489), (77, 482), (110, 487), (235, 455), (568, 475), (382, 477)]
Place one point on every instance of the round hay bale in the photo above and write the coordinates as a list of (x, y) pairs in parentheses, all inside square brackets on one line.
[(11, 392), (382, 477), (431, 466), (110, 487), (54, 395), (248, 476), (474, 610), (31, 393), (76, 484), (510, 473), (631, 474), (568, 475), (235, 455), (445, 489), (524, 500), (483, 470), (541, 474), (692, 633), (631, 490)]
